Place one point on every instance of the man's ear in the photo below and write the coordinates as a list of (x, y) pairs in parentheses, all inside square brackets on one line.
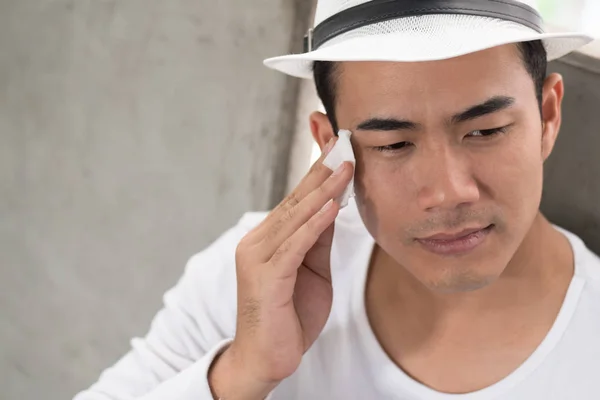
[(321, 129), (551, 112)]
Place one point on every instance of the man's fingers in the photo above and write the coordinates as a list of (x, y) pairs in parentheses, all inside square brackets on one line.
[(291, 253), (292, 219), (317, 174)]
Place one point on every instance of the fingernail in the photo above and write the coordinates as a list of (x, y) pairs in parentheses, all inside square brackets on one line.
[(328, 147), (326, 207), (339, 170)]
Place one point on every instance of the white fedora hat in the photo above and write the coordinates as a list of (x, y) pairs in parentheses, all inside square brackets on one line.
[(420, 30)]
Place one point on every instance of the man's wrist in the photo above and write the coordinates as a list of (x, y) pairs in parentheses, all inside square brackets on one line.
[(230, 380)]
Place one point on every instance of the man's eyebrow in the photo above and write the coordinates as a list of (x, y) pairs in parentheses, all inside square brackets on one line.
[(386, 124), (493, 105)]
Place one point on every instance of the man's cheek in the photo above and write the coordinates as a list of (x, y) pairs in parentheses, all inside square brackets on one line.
[(516, 187), (382, 190), (523, 172)]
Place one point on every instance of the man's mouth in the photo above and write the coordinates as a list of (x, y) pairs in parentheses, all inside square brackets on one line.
[(456, 243)]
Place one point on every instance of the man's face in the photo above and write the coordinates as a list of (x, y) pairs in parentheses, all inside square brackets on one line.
[(443, 149)]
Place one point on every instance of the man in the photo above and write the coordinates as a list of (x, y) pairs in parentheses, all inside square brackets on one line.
[(443, 280)]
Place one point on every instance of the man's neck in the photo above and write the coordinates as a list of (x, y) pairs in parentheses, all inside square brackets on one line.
[(498, 326)]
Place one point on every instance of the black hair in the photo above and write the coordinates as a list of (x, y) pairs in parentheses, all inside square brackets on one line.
[(533, 54)]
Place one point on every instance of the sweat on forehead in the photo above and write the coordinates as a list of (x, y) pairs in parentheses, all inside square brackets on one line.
[(327, 76)]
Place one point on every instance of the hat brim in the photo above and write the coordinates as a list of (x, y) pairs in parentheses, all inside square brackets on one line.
[(397, 48)]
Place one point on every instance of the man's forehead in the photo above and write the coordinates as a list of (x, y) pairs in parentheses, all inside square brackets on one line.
[(451, 85), (487, 62)]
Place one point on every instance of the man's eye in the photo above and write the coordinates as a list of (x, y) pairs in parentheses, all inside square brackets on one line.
[(393, 147), (488, 132)]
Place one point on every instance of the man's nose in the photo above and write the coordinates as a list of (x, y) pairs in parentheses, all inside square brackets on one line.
[(445, 180)]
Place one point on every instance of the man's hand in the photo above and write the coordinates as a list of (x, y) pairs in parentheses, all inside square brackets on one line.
[(284, 287)]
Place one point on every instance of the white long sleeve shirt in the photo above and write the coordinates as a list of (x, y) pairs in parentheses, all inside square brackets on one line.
[(346, 362)]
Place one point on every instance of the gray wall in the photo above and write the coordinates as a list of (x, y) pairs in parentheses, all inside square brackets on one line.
[(572, 183), (131, 134)]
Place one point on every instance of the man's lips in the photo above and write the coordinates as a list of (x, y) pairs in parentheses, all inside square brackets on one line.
[(454, 236), (457, 243)]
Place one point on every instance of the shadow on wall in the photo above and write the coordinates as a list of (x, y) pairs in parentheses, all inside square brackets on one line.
[(572, 184)]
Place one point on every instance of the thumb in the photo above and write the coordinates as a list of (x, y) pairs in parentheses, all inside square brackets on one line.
[(318, 258)]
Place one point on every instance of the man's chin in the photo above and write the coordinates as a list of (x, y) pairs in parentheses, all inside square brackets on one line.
[(461, 282)]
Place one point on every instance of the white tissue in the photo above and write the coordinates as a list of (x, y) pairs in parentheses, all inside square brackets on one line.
[(342, 151)]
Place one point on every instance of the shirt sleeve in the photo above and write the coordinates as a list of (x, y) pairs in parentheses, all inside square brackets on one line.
[(195, 325)]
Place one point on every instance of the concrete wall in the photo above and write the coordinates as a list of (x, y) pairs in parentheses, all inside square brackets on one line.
[(572, 182), (131, 134)]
